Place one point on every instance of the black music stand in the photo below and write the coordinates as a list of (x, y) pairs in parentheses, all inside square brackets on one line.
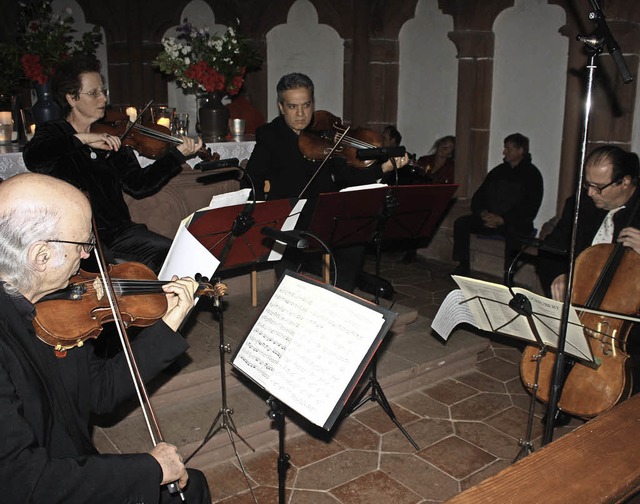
[(308, 348), (233, 235), (361, 216), (520, 314)]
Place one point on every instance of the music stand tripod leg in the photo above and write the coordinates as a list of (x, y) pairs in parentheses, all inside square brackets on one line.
[(223, 419), (525, 443)]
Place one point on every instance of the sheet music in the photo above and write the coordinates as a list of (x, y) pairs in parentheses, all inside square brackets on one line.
[(306, 346), (488, 304), (238, 197), (452, 312), (187, 256), (288, 225)]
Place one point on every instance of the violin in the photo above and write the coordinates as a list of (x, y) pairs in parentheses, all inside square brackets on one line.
[(152, 140), (604, 279), (318, 139), (83, 302)]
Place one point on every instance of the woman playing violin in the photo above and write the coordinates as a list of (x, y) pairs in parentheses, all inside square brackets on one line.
[(98, 163), (277, 158), (46, 451)]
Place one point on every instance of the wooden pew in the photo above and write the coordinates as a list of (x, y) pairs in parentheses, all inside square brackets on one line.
[(599, 462)]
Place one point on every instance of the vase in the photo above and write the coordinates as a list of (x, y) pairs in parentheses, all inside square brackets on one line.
[(45, 108), (213, 117)]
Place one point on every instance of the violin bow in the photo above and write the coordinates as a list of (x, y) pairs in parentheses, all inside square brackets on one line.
[(333, 149), (141, 391)]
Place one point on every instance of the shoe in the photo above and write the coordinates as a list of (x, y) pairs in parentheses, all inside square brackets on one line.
[(461, 270), (409, 257), (561, 419)]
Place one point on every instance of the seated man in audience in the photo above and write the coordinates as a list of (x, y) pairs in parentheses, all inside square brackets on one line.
[(506, 203)]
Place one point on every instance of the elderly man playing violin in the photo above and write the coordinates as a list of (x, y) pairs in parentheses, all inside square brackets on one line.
[(46, 452), (98, 163), (278, 160)]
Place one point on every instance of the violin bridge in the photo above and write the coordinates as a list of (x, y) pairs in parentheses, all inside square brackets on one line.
[(97, 285)]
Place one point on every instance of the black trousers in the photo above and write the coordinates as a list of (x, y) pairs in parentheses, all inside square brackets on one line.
[(462, 229), (137, 243)]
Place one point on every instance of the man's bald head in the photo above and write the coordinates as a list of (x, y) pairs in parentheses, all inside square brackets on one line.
[(35, 209), (33, 190)]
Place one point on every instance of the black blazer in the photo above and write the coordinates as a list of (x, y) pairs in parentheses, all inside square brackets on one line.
[(44, 457)]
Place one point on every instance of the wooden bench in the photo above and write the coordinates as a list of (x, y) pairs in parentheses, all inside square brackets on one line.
[(599, 462)]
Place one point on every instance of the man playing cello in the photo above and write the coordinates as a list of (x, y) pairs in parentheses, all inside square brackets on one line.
[(609, 213)]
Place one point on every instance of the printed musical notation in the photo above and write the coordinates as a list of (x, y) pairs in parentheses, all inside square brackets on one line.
[(307, 345)]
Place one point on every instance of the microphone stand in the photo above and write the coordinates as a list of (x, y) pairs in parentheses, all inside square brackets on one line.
[(595, 45), (376, 393)]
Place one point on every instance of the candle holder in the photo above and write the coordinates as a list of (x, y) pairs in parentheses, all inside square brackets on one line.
[(7, 105), (163, 115)]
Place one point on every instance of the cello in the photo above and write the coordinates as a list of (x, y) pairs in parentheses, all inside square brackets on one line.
[(589, 390)]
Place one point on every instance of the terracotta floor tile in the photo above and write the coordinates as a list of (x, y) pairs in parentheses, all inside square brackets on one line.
[(312, 497), (424, 432), (457, 457), (304, 450), (226, 480), (450, 391), (423, 405), (513, 422), (377, 419), (375, 488), (482, 382), (353, 434), (499, 369), (489, 439), (336, 470), (480, 406), (417, 474)]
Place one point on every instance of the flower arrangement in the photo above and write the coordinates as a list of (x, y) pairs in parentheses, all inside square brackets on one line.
[(200, 61), (46, 37)]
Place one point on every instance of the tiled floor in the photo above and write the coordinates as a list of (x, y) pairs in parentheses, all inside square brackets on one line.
[(467, 427)]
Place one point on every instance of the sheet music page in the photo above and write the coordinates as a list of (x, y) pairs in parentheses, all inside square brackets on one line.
[(238, 197), (307, 345), (187, 256), (452, 312), (489, 304), (375, 185), (288, 225)]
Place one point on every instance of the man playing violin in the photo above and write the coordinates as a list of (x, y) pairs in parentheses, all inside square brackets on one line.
[(278, 160), (98, 163), (46, 452)]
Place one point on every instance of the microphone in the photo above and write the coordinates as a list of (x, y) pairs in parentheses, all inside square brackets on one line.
[(292, 238), (215, 165), (380, 153)]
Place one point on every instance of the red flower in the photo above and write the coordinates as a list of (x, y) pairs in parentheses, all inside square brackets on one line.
[(33, 68), (206, 76), (236, 84)]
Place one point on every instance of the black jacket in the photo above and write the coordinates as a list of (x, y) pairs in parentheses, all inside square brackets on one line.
[(276, 157), (45, 452), (54, 150)]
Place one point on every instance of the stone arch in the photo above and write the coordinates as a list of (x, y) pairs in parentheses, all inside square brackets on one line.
[(303, 45), (529, 79), (81, 26), (428, 78)]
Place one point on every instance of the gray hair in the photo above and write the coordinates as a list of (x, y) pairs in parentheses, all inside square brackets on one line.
[(293, 81), (20, 228)]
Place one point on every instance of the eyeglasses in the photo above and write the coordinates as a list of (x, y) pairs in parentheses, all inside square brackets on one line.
[(86, 246), (95, 93), (597, 188)]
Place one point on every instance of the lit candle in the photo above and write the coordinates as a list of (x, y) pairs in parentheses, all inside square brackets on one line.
[(32, 129), (5, 117), (132, 112), (164, 121)]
